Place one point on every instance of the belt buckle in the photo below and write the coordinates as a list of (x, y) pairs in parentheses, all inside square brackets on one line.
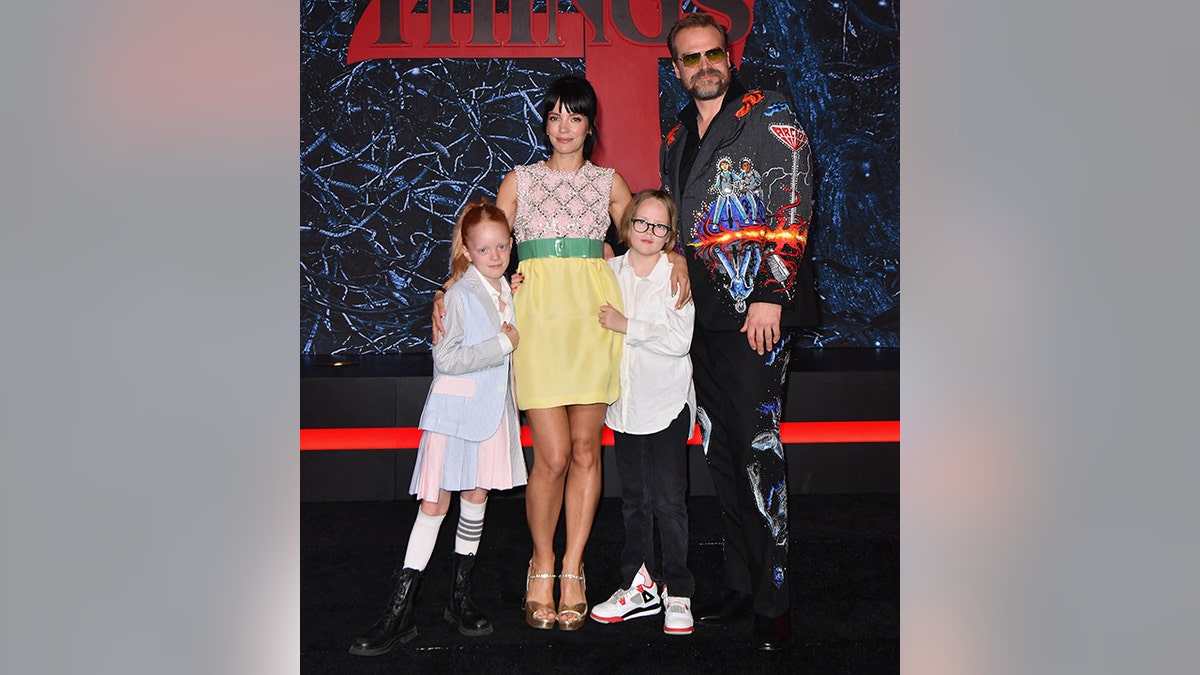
[(560, 247)]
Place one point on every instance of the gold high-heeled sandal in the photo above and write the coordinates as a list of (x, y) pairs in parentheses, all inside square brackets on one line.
[(532, 608), (575, 613)]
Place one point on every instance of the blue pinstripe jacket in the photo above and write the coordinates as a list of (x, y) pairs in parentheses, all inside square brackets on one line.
[(471, 369)]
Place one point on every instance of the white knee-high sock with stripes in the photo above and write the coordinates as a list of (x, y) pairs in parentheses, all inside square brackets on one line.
[(421, 540), (470, 526)]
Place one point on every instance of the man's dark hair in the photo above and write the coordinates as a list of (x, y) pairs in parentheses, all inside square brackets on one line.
[(695, 20)]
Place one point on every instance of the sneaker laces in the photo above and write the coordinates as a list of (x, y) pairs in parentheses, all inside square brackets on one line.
[(624, 595), (618, 594)]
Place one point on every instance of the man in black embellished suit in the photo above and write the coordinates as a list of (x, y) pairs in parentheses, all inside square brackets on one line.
[(739, 168)]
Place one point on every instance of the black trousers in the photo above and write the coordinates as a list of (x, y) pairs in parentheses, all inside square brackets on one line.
[(739, 397), (653, 471)]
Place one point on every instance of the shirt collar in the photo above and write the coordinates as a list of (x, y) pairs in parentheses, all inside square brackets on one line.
[(663, 266), (504, 293)]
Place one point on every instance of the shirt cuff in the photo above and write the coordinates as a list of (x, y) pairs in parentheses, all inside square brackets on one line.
[(636, 330), (505, 344)]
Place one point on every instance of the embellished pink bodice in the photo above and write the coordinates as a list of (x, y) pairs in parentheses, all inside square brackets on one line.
[(562, 203)]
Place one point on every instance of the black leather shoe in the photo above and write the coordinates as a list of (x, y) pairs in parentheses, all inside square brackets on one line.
[(725, 611), (772, 633), (398, 623), (461, 611)]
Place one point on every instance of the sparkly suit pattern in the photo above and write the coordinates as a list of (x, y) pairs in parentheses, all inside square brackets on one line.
[(745, 209)]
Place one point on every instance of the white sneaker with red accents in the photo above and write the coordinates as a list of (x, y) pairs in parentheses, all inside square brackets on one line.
[(640, 599), (677, 617)]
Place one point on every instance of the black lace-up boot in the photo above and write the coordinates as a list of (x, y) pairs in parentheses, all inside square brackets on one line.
[(398, 623), (461, 612)]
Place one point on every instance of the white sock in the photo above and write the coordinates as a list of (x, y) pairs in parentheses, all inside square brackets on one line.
[(470, 526), (421, 541)]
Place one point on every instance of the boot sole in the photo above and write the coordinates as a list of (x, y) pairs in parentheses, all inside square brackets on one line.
[(452, 619), (379, 651), (648, 611)]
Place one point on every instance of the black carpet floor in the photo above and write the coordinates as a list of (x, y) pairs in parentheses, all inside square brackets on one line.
[(845, 584)]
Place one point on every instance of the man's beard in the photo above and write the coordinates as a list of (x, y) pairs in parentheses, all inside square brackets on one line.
[(709, 91)]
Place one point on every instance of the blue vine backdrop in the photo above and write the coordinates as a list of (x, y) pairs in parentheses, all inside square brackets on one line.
[(392, 148)]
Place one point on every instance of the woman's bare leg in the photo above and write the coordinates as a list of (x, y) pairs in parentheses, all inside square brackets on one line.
[(544, 493), (583, 486)]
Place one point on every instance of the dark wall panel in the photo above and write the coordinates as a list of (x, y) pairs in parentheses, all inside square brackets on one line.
[(341, 475), (410, 399), (348, 402), (843, 396)]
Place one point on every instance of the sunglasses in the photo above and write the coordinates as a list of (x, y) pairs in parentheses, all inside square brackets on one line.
[(714, 55), (659, 229)]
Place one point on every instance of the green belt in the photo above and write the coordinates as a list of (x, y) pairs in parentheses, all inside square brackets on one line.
[(560, 247)]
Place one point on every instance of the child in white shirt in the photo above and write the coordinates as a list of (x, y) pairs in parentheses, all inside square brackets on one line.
[(652, 419)]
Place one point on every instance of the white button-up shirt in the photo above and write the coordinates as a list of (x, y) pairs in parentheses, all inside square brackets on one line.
[(656, 371)]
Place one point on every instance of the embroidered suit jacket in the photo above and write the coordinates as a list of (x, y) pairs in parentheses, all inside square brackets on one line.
[(744, 209)]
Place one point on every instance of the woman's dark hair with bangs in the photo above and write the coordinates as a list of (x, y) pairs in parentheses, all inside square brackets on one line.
[(577, 96)]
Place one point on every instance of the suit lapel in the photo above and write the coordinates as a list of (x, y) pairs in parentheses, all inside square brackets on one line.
[(705, 164), (475, 285), (674, 159), (718, 131)]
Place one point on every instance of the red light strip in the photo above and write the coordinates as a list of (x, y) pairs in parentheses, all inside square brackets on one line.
[(388, 438)]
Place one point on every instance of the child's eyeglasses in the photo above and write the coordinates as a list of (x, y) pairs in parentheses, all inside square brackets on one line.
[(659, 229), (714, 55)]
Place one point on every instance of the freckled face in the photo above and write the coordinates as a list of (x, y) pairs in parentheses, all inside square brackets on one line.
[(489, 247)]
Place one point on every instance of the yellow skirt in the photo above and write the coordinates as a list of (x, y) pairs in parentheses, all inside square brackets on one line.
[(564, 356)]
